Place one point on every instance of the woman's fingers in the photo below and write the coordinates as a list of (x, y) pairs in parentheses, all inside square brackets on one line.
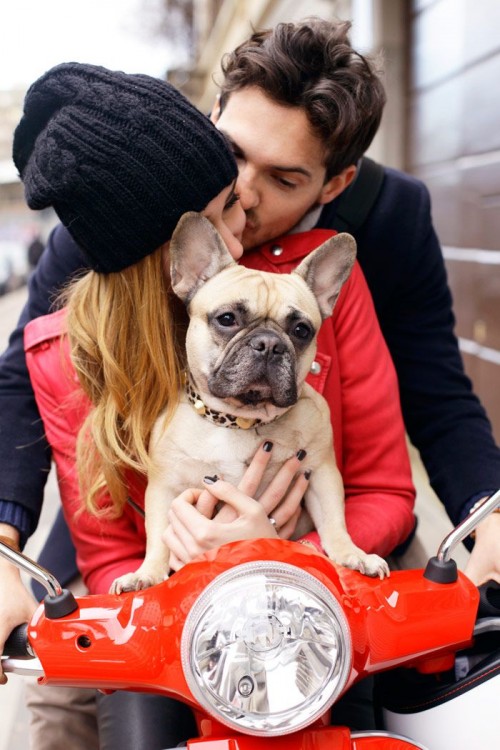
[(178, 541), (282, 496), (252, 477), (287, 513), (206, 504), (233, 496), (191, 530), (277, 489), (183, 512), (287, 529), (291, 476), (174, 563), (251, 520), (249, 484), (189, 534)]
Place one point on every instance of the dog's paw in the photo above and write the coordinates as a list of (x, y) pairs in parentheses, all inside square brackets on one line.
[(134, 582), (370, 565)]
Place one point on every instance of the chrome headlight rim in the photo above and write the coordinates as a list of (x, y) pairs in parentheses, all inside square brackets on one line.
[(279, 574)]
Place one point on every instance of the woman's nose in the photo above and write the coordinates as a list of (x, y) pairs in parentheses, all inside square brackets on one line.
[(240, 220), (234, 246)]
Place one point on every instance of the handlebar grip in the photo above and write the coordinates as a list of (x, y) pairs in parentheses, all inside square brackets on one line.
[(17, 644), (489, 599)]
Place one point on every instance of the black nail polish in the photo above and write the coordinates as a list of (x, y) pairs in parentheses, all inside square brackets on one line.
[(307, 473), (268, 446), (211, 480), (301, 454)]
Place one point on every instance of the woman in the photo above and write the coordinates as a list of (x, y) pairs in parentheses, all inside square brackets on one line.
[(121, 158)]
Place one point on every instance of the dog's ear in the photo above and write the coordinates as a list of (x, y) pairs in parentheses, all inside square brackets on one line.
[(327, 268), (197, 252)]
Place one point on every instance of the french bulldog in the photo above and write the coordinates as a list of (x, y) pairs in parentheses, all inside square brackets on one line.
[(250, 344)]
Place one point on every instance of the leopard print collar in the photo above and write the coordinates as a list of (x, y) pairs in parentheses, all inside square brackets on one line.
[(217, 417)]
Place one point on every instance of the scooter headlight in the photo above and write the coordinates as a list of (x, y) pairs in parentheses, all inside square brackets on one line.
[(266, 648)]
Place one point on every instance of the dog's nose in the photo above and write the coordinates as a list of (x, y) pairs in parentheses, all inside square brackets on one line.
[(267, 343)]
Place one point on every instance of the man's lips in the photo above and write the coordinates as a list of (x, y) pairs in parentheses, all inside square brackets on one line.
[(250, 225)]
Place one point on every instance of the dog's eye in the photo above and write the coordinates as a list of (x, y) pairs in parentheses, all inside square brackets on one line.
[(301, 331), (226, 319)]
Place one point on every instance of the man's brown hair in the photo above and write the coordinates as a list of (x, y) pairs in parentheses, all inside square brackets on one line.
[(312, 65)]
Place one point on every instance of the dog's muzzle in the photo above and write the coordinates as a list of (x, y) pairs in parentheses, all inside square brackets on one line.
[(267, 344), (259, 368)]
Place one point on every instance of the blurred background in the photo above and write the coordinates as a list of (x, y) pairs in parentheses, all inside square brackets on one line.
[(441, 123)]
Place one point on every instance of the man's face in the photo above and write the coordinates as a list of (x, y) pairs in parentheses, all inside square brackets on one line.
[(280, 161)]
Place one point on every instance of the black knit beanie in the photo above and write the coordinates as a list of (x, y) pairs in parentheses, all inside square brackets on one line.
[(119, 157)]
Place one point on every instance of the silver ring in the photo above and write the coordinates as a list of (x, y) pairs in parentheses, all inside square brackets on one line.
[(272, 521)]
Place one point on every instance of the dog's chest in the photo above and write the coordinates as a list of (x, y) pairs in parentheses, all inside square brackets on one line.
[(192, 446)]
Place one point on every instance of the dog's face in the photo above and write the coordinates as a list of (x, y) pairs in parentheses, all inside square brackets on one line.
[(252, 335)]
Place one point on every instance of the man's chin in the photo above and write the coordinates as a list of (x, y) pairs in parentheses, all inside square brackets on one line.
[(253, 238)]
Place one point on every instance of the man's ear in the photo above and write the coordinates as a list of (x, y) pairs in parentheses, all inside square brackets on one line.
[(215, 113), (327, 268), (337, 184), (197, 252)]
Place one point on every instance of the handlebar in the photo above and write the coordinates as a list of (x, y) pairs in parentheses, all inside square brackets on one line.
[(58, 602), (44, 577), (17, 644), (489, 599), (466, 526), (18, 656)]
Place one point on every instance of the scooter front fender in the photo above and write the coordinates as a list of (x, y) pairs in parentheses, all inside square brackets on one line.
[(322, 738)]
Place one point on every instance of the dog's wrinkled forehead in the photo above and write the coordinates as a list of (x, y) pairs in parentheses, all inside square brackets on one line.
[(258, 294), (202, 271)]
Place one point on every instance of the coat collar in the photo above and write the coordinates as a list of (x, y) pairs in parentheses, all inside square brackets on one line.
[(290, 248)]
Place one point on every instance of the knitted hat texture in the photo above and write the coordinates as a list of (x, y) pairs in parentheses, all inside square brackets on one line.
[(119, 157)]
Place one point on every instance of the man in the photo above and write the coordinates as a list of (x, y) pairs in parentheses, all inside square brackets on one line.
[(300, 108)]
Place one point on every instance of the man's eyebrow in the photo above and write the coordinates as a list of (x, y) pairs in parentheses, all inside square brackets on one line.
[(278, 167), (300, 170)]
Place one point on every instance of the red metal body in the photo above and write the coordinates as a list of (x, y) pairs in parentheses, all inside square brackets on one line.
[(132, 641), (325, 738)]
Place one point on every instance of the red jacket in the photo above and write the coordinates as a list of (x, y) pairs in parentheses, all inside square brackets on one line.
[(355, 374)]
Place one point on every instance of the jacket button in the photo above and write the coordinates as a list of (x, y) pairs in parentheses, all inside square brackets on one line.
[(276, 250), (315, 368)]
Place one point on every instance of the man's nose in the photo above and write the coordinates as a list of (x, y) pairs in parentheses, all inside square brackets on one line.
[(247, 188)]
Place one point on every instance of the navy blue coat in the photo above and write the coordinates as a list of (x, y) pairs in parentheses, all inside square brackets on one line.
[(402, 260)]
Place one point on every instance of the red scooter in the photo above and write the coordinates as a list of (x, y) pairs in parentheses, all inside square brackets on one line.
[(262, 637)]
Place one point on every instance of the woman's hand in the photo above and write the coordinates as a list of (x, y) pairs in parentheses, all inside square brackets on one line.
[(192, 530), (16, 604), (484, 562)]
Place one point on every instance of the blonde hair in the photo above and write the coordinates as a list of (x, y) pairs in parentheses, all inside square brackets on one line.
[(126, 348)]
